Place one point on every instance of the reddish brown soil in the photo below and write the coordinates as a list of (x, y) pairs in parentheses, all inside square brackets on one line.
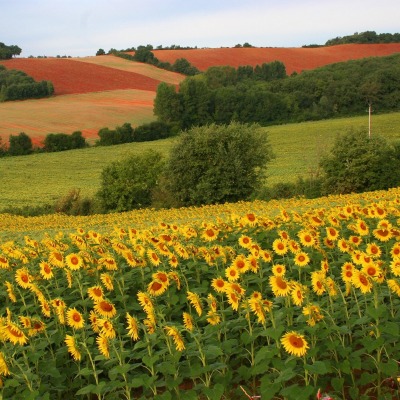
[(295, 59), (69, 76)]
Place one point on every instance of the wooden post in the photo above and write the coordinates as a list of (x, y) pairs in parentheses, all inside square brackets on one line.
[(369, 120)]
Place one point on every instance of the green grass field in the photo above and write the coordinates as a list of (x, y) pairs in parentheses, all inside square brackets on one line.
[(42, 178)]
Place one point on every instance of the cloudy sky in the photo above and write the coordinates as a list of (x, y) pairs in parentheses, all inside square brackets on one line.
[(81, 27)]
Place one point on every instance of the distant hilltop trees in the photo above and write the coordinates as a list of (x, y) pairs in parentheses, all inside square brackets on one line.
[(368, 37), (7, 52)]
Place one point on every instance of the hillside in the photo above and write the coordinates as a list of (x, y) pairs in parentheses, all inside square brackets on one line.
[(295, 59)]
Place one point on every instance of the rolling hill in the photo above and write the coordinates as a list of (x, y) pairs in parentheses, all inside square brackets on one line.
[(94, 92)]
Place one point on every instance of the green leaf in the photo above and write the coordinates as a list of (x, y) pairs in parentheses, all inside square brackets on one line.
[(318, 367), (389, 368), (150, 361), (392, 328), (268, 389), (366, 378), (86, 390), (212, 352), (118, 370), (285, 375), (163, 396), (296, 392), (137, 382), (274, 333), (11, 383), (264, 353), (337, 384), (214, 393), (85, 372), (167, 368)]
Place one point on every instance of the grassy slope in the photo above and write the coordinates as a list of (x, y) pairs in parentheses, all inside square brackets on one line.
[(42, 178)]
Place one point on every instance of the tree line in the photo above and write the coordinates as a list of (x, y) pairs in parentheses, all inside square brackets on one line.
[(17, 85), (7, 52), (266, 95), (367, 37), (21, 144)]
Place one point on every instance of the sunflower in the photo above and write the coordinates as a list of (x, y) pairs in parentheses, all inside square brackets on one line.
[(343, 246), (347, 272), (301, 259), (107, 329), (233, 299), (95, 293), (23, 278), (45, 307), (360, 280), (278, 270), (280, 286), (297, 294), (173, 261), (362, 228), (74, 261), (252, 262), (129, 258), (394, 286), (332, 233), (56, 258), (108, 262), (95, 321), (194, 300), (307, 239), (107, 281), (236, 288), (213, 318), (249, 219), (103, 345), (156, 288), (132, 326), (75, 319), (153, 257), (219, 285), (330, 284), (105, 308), (318, 282), (294, 343), (10, 291), (382, 234), (232, 273), (4, 264), (313, 312), (395, 251), (146, 302), (175, 277), (176, 336), (294, 246), (188, 321), (14, 334), (266, 255), (210, 234), (245, 241), (395, 267), (355, 240), (45, 270), (256, 306), (36, 327), (372, 270), (72, 347), (241, 264), (280, 247), (3, 365)]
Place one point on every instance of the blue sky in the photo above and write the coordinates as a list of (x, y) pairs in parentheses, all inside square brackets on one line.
[(81, 27)]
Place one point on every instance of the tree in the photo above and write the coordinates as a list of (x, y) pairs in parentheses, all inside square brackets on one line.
[(218, 163), (20, 145), (128, 184), (100, 52), (357, 164)]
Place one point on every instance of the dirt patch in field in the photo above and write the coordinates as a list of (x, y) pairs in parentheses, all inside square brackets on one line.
[(70, 76), (295, 59)]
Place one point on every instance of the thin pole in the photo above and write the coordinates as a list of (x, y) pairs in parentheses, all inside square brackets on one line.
[(369, 120)]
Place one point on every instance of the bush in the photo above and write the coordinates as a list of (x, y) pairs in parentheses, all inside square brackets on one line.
[(218, 163), (74, 204), (20, 145), (357, 163), (152, 131), (128, 184)]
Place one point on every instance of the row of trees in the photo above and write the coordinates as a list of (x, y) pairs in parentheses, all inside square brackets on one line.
[(228, 163), (7, 52), (267, 96), (367, 37), (144, 54), (17, 85)]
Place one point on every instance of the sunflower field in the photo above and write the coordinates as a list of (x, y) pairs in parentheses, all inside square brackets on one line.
[(292, 300)]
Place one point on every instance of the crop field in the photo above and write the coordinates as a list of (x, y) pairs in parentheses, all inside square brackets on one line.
[(295, 59), (282, 300), (86, 112), (42, 178)]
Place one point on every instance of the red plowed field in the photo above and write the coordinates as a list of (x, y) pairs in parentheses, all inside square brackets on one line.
[(295, 59), (69, 76)]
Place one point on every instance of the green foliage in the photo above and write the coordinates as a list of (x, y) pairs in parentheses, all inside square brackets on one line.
[(121, 134), (153, 131), (218, 163), (74, 204), (357, 163), (183, 66), (128, 184), (20, 145), (17, 85), (7, 52), (100, 52), (366, 37), (62, 141)]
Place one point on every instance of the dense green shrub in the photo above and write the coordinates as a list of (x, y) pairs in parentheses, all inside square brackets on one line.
[(218, 163), (128, 184), (358, 163), (20, 145), (121, 134), (61, 141), (152, 131)]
